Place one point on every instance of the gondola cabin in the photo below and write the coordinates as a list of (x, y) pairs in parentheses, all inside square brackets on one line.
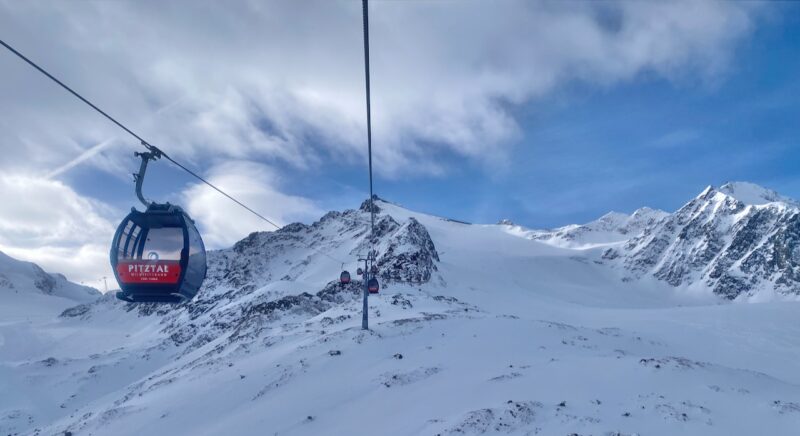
[(372, 286), (344, 277), (158, 256)]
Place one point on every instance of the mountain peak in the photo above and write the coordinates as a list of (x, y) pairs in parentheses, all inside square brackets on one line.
[(614, 215), (649, 212), (24, 278), (747, 193), (376, 201), (753, 194), (706, 192)]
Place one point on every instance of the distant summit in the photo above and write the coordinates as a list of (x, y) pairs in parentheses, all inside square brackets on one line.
[(27, 282), (738, 240), (750, 193)]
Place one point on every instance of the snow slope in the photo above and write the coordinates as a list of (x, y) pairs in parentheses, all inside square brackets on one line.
[(610, 229), (26, 289), (476, 331)]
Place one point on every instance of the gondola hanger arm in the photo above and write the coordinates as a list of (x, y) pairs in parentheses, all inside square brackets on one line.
[(146, 156)]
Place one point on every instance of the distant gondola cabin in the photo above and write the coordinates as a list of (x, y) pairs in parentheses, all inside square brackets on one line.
[(373, 286)]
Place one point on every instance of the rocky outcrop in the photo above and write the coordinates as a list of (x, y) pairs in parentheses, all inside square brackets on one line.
[(409, 255)]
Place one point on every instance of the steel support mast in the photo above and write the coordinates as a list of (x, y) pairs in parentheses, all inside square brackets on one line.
[(371, 255)]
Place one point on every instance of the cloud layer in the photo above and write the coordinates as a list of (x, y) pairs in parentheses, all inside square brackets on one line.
[(284, 80)]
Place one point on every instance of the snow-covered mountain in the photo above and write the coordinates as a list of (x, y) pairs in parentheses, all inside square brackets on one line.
[(740, 241), (610, 229), (307, 257), (478, 329), (750, 193), (27, 284)]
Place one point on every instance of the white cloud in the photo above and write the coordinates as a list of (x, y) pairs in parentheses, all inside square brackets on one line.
[(46, 222), (261, 79), (222, 222)]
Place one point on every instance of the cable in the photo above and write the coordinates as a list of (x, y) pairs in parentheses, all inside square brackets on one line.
[(220, 191), (240, 203), (151, 147), (41, 70)]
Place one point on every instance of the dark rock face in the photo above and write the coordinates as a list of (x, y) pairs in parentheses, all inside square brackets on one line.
[(384, 226), (44, 281), (293, 228), (5, 283), (365, 205), (76, 311), (409, 256), (722, 243)]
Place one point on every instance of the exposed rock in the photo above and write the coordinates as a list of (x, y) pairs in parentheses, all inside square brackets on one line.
[(409, 255)]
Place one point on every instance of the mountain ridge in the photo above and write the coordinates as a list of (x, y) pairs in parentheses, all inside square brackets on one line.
[(717, 241), (27, 277)]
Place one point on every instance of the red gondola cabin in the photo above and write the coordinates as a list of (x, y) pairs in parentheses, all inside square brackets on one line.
[(344, 277), (372, 286)]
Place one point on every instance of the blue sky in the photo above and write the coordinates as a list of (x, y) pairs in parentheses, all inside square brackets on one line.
[(651, 142), (545, 113)]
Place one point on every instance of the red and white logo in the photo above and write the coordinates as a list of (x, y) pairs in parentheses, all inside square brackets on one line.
[(147, 271)]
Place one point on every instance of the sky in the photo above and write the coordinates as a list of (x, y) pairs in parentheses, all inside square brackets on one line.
[(546, 113)]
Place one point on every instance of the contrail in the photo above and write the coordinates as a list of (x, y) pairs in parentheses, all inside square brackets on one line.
[(99, 147), (80, 159)]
